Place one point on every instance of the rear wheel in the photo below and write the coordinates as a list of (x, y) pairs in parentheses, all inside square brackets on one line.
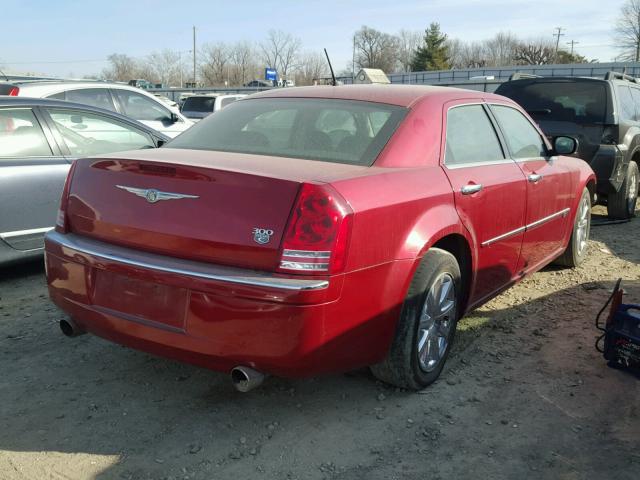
[(427, 325), (622, 204), (576, 251)]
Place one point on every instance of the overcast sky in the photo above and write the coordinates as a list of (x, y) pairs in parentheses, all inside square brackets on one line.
[(67, 37)]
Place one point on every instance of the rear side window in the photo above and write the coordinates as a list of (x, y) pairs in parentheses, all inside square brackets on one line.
[(341, 131), (522, 138), (140, 107), (471, 137), (94, 134), (635, 94), (626, 103), (199, 104), (21, 134), (581, 102), (96, 97)]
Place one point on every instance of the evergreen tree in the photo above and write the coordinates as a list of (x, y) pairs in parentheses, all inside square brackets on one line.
[(434, 52)]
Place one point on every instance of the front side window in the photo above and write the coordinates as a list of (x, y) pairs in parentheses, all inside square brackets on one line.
[(317, 129), (21, 135), (522, 138), (470, 137), (92, 134), (96, 97), (138, 106)]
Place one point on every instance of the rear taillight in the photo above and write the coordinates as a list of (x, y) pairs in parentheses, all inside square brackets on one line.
[(317, 235), (62, 224), (13, 91)]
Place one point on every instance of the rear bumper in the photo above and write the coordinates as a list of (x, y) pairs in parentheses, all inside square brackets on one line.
[(219, 317)]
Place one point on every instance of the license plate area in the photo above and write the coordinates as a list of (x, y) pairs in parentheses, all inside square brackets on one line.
[(153, 302)]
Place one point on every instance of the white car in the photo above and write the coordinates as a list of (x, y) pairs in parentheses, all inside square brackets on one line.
[(197, 107), (130, 101)]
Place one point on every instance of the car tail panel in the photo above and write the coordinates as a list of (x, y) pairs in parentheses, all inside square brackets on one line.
[(206, 214)]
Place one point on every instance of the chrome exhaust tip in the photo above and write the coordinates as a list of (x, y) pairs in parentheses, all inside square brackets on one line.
[(245, 379), (70, 328)]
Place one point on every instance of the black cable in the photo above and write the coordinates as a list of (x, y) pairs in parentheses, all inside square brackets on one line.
[(599, 339)]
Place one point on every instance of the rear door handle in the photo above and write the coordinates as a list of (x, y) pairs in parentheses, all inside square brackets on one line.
[(534, 178), (471, 189)]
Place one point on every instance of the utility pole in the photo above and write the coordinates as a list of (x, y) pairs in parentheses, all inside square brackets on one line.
[(558, 34), (572, 43), (353, 59), (194, 55)]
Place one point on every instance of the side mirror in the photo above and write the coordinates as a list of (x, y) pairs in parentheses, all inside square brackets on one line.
[(173, 118), (159, 143), (564, 145)]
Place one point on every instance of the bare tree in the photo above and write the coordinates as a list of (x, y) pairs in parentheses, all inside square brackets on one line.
[(535, 53), (280, 51), (408, 43), (122, 68), (165, 67), (312, 66), (214, 66), (243, 63), (376, 49), (500, 49), (628, 31)]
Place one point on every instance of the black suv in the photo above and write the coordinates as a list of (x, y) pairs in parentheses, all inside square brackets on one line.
[(603, 115)]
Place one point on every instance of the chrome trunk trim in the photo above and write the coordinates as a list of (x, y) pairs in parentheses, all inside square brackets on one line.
[(101, 250)]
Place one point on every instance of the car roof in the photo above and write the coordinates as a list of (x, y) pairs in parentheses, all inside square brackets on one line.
[(401, 95), (43, 87), (10, 101), (528, 81)]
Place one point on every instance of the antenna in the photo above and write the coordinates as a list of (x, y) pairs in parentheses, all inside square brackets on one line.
[(7, 78), (333, 77)]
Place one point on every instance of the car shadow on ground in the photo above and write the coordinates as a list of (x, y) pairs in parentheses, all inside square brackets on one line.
[(617, 234), (154, 418)]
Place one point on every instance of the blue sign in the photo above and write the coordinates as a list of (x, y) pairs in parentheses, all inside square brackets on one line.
[(270, 74)]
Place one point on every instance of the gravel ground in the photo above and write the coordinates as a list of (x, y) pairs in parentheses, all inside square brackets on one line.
[(524, 395)]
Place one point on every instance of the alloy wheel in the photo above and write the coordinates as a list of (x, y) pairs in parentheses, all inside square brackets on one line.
[(437, 316), (582, 232), (632, 195)]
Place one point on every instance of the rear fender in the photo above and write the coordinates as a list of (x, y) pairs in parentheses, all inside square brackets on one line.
[(427, 232)]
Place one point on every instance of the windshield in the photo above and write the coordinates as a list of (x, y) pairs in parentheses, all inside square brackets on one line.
[(341, 131), (199, 104), (577, 102)]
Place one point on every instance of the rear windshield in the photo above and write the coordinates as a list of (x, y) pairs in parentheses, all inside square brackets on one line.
[(577, 102), (199, 104), (341, 131)]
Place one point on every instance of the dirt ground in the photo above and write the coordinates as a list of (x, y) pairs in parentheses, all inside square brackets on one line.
[(524, 395)]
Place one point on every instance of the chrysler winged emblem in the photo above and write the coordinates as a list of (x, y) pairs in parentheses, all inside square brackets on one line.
[(152, 195)]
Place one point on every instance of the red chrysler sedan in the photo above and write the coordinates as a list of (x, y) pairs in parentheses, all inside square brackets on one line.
[(312, 230)]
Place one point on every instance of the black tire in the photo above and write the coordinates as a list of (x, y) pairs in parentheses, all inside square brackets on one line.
[(622, 204), (576, 251), (402, 367)]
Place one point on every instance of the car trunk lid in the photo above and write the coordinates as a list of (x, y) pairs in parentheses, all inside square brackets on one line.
[(210, 206)]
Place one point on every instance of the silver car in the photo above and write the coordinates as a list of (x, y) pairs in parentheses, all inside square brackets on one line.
[(130, 101), (39, 139)]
